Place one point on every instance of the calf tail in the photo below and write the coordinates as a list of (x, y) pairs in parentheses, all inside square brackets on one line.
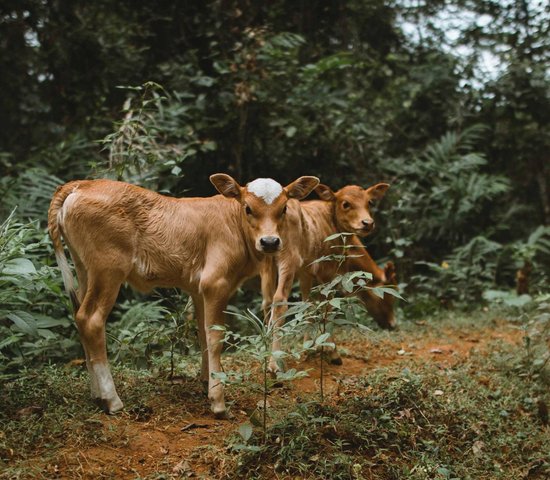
[(55, 230)]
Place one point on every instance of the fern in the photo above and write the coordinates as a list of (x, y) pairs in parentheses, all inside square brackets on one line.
[(444, 189), (30, 193)]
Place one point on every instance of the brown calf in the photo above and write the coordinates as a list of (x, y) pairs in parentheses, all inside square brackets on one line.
[(117, 232), (347, 210)]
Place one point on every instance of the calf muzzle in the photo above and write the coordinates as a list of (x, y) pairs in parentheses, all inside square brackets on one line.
[(270, 244)]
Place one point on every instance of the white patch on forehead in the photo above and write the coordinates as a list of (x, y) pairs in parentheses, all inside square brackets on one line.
[(266, 189)]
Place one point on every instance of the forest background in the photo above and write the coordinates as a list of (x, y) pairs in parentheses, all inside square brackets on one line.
[(448, 101)]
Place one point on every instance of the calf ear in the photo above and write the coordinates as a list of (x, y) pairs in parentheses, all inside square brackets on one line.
[(302, 187), (378, 191), (226, 185), (325, 193)]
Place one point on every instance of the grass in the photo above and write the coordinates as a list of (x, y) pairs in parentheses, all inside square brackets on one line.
[(477, 413), (426, 423)]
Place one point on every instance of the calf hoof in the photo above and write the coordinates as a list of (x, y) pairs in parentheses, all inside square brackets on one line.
[(277, 384), (222, 414), (336, 361), (109, 405), (273, 371)]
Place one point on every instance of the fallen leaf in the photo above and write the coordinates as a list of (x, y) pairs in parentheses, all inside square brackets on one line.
[(438, 393), (183, 468)]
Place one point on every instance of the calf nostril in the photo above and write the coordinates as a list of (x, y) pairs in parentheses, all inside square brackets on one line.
[(367, 223), (270, 242)]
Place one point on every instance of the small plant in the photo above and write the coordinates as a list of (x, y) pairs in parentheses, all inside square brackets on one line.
[(464, 274), (259, 346), (536, 361), (332, 309)]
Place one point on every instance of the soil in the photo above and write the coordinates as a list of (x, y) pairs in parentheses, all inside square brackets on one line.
[(159, 437)]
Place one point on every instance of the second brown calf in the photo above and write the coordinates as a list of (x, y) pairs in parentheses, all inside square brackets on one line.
[(311, 222)]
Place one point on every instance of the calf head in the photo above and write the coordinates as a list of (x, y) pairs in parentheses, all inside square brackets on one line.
[(263, 205), (352, 206)]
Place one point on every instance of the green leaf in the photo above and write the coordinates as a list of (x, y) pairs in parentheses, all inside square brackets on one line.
[(245, 431), (219, 328), (47, 334), (347, 284), (24, 322), (389, 291), (334, 236), (291, 374), (519, 301), (291, 131), (335, 302), (378, 292), (322, 338), (9, 340), (43, 321), (19, 266)]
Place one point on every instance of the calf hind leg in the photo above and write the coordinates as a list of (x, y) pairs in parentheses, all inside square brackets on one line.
[(90, 319)]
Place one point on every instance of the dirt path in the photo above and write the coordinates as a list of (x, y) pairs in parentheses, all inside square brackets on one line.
[(160, 437)]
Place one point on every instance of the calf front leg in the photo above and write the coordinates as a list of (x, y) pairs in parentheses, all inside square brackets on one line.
[(268, 275), (198, 303), (215, 297), (279, 308)]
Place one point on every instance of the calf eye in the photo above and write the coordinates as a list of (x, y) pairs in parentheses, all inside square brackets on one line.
[(247, 210), (372, 203), (284, 210), (345, 205)]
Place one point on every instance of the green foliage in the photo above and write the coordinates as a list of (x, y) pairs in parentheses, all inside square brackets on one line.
[(534, 312), (465, 272), (426, 424), (149, 144), (536, 247), (443, 191), (473, 271), (356, 92), (34, 323), (29, 193)]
